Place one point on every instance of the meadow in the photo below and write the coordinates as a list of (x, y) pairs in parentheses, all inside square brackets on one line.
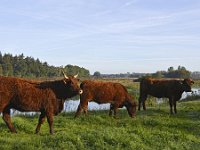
[(154, 128)]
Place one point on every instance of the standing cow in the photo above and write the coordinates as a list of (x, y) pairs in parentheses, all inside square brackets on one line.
[(105, 92), (44, 97), (63, 89), (171, 89)]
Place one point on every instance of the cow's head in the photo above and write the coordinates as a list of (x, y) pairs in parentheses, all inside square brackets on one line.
[(131, 108), (72, 84), (186, 84)]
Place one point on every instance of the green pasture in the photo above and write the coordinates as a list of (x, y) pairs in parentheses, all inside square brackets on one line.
[(154, 129)]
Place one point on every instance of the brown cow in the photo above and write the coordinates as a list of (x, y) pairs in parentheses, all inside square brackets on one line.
[(63, 89), (164, 88), (105, 92), (45, 97)]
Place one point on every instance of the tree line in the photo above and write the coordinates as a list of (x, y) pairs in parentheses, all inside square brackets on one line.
[(28, 67), (180, 72)]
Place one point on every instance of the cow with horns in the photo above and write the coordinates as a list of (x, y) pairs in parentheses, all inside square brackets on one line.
[(46, 97)]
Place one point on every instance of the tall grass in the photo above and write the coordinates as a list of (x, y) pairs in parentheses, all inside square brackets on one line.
[(151, 129)]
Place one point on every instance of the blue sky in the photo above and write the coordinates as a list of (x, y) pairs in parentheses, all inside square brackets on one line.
[(110, 36)]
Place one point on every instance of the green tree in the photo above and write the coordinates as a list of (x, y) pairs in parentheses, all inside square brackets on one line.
[(180, 72), (158, 74), (1, 58), (170, 69), (97, 74), (183, 72), (21, 66)]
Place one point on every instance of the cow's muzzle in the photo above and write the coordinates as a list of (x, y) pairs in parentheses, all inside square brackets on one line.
[(80, 92)]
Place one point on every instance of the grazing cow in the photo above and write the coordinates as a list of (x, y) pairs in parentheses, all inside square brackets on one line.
[(105, 92), (164, 88), (45, 97)]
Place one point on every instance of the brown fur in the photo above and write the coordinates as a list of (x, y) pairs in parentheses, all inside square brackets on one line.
[(45, 97), (63, 89), (105, 92), (171, 89)]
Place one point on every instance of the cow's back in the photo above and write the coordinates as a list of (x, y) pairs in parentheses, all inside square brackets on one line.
[(159, 88), (24, 96), (103, 92), (30, 98)]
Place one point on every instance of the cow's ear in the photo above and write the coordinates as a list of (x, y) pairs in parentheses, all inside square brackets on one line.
[(65, 82)]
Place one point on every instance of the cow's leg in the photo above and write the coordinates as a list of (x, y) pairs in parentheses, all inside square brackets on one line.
[(142, 100), (78, 111), (111, 110), (139, 103), (175, 111), (40, 121), (85, 109), (82, 106), (144, 105), (115, 107), (7, 119), (50, 121), (171, 105)]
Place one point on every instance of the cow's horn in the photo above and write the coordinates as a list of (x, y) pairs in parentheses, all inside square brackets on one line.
[(66, 77), (76, 76)]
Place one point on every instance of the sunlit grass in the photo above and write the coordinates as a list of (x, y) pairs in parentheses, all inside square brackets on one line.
[(151, 129)]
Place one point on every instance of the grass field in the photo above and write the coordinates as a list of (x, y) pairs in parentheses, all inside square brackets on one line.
[(151, 129)]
